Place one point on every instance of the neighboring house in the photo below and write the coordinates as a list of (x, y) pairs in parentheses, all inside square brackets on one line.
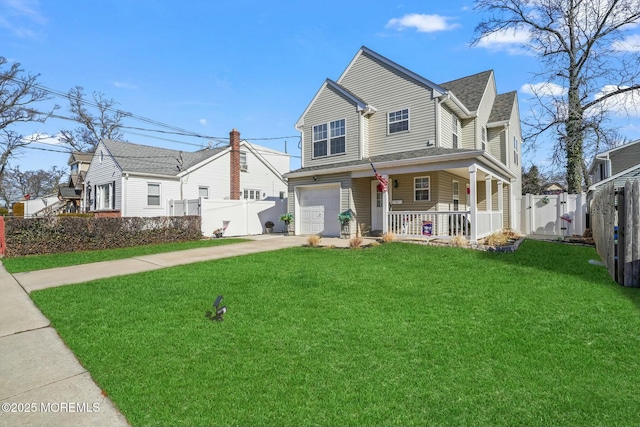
[(451, 153), (70, 195), (618, 164), (126, 179), (553, 188)]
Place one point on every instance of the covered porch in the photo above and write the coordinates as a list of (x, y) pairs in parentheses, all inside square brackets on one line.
[(471, 201)]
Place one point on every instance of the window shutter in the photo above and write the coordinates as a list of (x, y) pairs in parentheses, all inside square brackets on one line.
[(95, 196), (113, 195)]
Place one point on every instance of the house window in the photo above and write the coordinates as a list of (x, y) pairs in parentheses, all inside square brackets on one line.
[(484, 138), (203, 192), (103, 196), (338, 133), (454, 130), (335, 144), (74, 169), (399, 121), (153, 194), (251, 194), (421, 188), (455, 194), (243, 162), (516, 154)]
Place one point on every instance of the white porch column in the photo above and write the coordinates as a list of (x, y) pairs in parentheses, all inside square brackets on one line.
[(385, 206), (489, 200), (501, 202), (473, 202)]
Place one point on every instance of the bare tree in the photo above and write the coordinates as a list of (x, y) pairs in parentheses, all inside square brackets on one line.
[(16, 184), (105, 125), (589, 68), (18, 94)]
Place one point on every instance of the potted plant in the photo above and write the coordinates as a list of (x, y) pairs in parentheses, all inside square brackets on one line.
[(287, 218), (345, 218), (268, 226)]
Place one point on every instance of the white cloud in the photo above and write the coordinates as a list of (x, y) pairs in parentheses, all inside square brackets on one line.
[(203, 122), (422, 23), (124, 85), (628, 44), (21, 17), (627, 103), (543, 89), (509, 40)]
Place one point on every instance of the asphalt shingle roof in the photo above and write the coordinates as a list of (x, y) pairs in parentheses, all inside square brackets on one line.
[(414, 154), (469, 90), (155, 160), (502, 107)]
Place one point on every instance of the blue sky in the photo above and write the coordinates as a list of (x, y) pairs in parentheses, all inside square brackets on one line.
[(211, 66)]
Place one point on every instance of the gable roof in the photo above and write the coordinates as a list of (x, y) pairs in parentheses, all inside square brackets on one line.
[(77, 156), (365, 50), (502, 107), (631, 173), (146, 159), (359, 102), (470, 90)]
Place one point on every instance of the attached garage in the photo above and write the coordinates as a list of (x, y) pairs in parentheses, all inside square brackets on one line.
[(319, 209)]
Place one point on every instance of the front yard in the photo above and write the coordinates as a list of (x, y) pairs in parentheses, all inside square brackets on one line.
[(398, 334)]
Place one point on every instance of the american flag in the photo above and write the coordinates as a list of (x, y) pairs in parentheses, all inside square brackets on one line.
[(382, 181)]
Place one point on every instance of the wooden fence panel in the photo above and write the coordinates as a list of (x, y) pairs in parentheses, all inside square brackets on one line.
[(635, 215), (2, 239)]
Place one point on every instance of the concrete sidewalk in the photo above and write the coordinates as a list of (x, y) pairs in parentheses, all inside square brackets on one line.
[(42, 382)]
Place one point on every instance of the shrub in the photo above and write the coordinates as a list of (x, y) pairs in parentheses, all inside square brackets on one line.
[(356, 242), (314, 240), (498, 238), (458, 241), (18, 209), (388, 237), (4, 211), (269, 224)]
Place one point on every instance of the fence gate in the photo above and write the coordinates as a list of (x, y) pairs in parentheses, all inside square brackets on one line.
[(554, 214)]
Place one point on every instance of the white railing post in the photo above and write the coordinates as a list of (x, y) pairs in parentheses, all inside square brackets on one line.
[(385, 209)]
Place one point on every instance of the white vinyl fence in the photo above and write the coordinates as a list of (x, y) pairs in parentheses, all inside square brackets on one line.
[(243, 217), (554, 214)]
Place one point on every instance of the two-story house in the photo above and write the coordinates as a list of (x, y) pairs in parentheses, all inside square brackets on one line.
[(451, 154), (126, 179)]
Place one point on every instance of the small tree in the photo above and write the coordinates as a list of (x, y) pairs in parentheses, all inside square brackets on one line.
[(531, 181)]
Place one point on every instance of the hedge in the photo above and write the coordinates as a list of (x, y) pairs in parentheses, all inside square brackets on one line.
[(57, 234)]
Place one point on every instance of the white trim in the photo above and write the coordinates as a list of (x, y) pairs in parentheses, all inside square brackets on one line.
[(613, 177), (328, 139), (296, 200)]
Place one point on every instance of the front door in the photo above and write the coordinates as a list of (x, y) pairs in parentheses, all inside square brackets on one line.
[(376, 207)]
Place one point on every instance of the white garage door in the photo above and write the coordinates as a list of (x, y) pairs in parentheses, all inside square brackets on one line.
[(319, 208)]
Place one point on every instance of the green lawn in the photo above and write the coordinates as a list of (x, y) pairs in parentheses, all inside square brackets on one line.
[(398, 334), (41, 262)]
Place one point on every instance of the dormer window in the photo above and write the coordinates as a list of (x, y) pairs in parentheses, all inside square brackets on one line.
[(399, 121), (329, 138)]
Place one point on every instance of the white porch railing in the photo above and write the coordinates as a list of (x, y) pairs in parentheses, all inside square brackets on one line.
[(442, 224), (429, 224), (489, 222)]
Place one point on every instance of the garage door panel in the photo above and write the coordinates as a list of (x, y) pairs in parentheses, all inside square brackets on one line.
[(319, 209)]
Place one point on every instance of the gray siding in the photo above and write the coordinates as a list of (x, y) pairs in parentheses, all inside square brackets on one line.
[(387, 90), (624, 158), (361, 190), (330, 106), (446, 128)]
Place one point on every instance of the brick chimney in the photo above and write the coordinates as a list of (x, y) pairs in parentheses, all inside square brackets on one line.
[(234, 143)]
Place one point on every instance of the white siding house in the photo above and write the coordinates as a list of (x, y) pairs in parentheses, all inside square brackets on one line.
[(126, 179)]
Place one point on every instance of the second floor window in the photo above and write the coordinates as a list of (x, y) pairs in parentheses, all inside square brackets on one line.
[(399, 121), (243, 161), (454, 130), (516, 151), (329, 138)]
